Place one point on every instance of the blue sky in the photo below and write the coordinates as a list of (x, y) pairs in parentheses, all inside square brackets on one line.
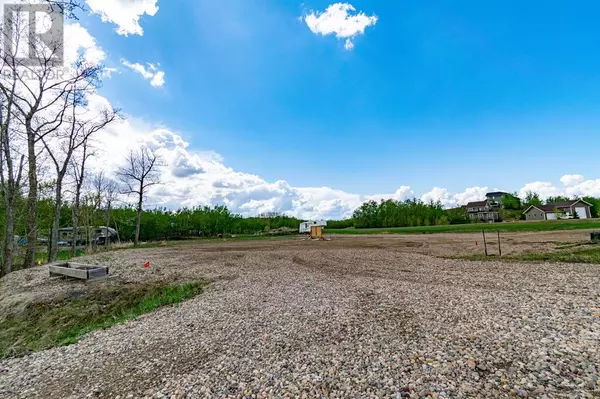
[(440, 94)]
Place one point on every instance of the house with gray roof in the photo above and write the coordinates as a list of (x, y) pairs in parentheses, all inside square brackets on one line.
[(560, 210)]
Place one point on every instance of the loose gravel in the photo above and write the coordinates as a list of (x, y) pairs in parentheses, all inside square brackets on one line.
[(307, 319)]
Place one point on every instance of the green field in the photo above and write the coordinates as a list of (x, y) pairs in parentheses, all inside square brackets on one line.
[(550, 225)]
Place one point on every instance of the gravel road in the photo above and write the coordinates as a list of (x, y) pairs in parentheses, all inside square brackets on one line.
[(289, 319)]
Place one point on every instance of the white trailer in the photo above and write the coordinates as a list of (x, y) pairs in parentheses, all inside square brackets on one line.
[(306, 226)]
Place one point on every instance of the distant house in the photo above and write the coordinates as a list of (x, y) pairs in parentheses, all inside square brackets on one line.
[(483, 211), (560, 210), (488, 210)]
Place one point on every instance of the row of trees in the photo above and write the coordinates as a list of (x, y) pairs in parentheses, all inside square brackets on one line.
[(393, 213), (158, 224), (47, 126), (413, 212)]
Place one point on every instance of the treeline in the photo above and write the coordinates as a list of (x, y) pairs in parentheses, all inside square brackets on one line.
[(162, 224), (393, 213), (157, 224), (414, 212)]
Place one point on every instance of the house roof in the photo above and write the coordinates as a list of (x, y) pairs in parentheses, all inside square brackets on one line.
[(544, 208), (567, 203), (477, 204), (495, 193)]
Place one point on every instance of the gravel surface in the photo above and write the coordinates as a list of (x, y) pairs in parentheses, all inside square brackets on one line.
[(325, 319)]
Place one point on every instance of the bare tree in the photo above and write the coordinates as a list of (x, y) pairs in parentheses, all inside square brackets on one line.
[(10, 184), (141, 171), (106, 191), (76, 131), (78, 165), (37, 91)]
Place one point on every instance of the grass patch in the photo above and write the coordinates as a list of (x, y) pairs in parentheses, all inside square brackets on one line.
[(58, 323), (575, 255), (42, 257), (549, 225)]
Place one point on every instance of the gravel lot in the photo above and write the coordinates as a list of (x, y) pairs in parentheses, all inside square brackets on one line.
[(353, 317)]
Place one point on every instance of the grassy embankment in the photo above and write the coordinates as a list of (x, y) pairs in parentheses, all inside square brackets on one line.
[(64, 322), (577, 253), (550, 225)]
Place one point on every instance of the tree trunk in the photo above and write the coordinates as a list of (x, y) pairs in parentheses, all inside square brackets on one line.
[(53, 252), (139, 221), (88, 229), (106, 238), (75, 224), (31, 201), (9, 238)]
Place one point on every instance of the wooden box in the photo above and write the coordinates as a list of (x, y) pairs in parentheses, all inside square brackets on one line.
[(79, 271)]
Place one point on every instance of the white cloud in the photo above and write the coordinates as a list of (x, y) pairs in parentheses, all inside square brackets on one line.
[(440, 194), (340, 20), (544, 189), (585, 188), (79, 42), (571, 180), (151, 72), (108, 72), (453, 200), (403, 193), (125, 14), (158, 80), (471, 194)]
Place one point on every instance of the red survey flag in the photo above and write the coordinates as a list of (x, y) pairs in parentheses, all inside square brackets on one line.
[(146, 265)]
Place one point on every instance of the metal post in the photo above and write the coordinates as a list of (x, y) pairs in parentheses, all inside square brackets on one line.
[(485, 243), (499, 244)]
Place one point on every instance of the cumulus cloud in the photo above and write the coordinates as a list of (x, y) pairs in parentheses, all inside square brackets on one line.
[(340, 20), (544, 189), (471, 194), (403, 193), (438, 194), (149, 72), (584, 188), (125, 14), (571, 180), (79, 43)]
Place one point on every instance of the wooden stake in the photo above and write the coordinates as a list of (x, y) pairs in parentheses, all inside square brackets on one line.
[(485, 242), (499, 244)]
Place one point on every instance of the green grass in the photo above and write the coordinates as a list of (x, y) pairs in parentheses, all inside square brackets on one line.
[(45, 325), (61, 256), (550, 225), (576, 254)]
